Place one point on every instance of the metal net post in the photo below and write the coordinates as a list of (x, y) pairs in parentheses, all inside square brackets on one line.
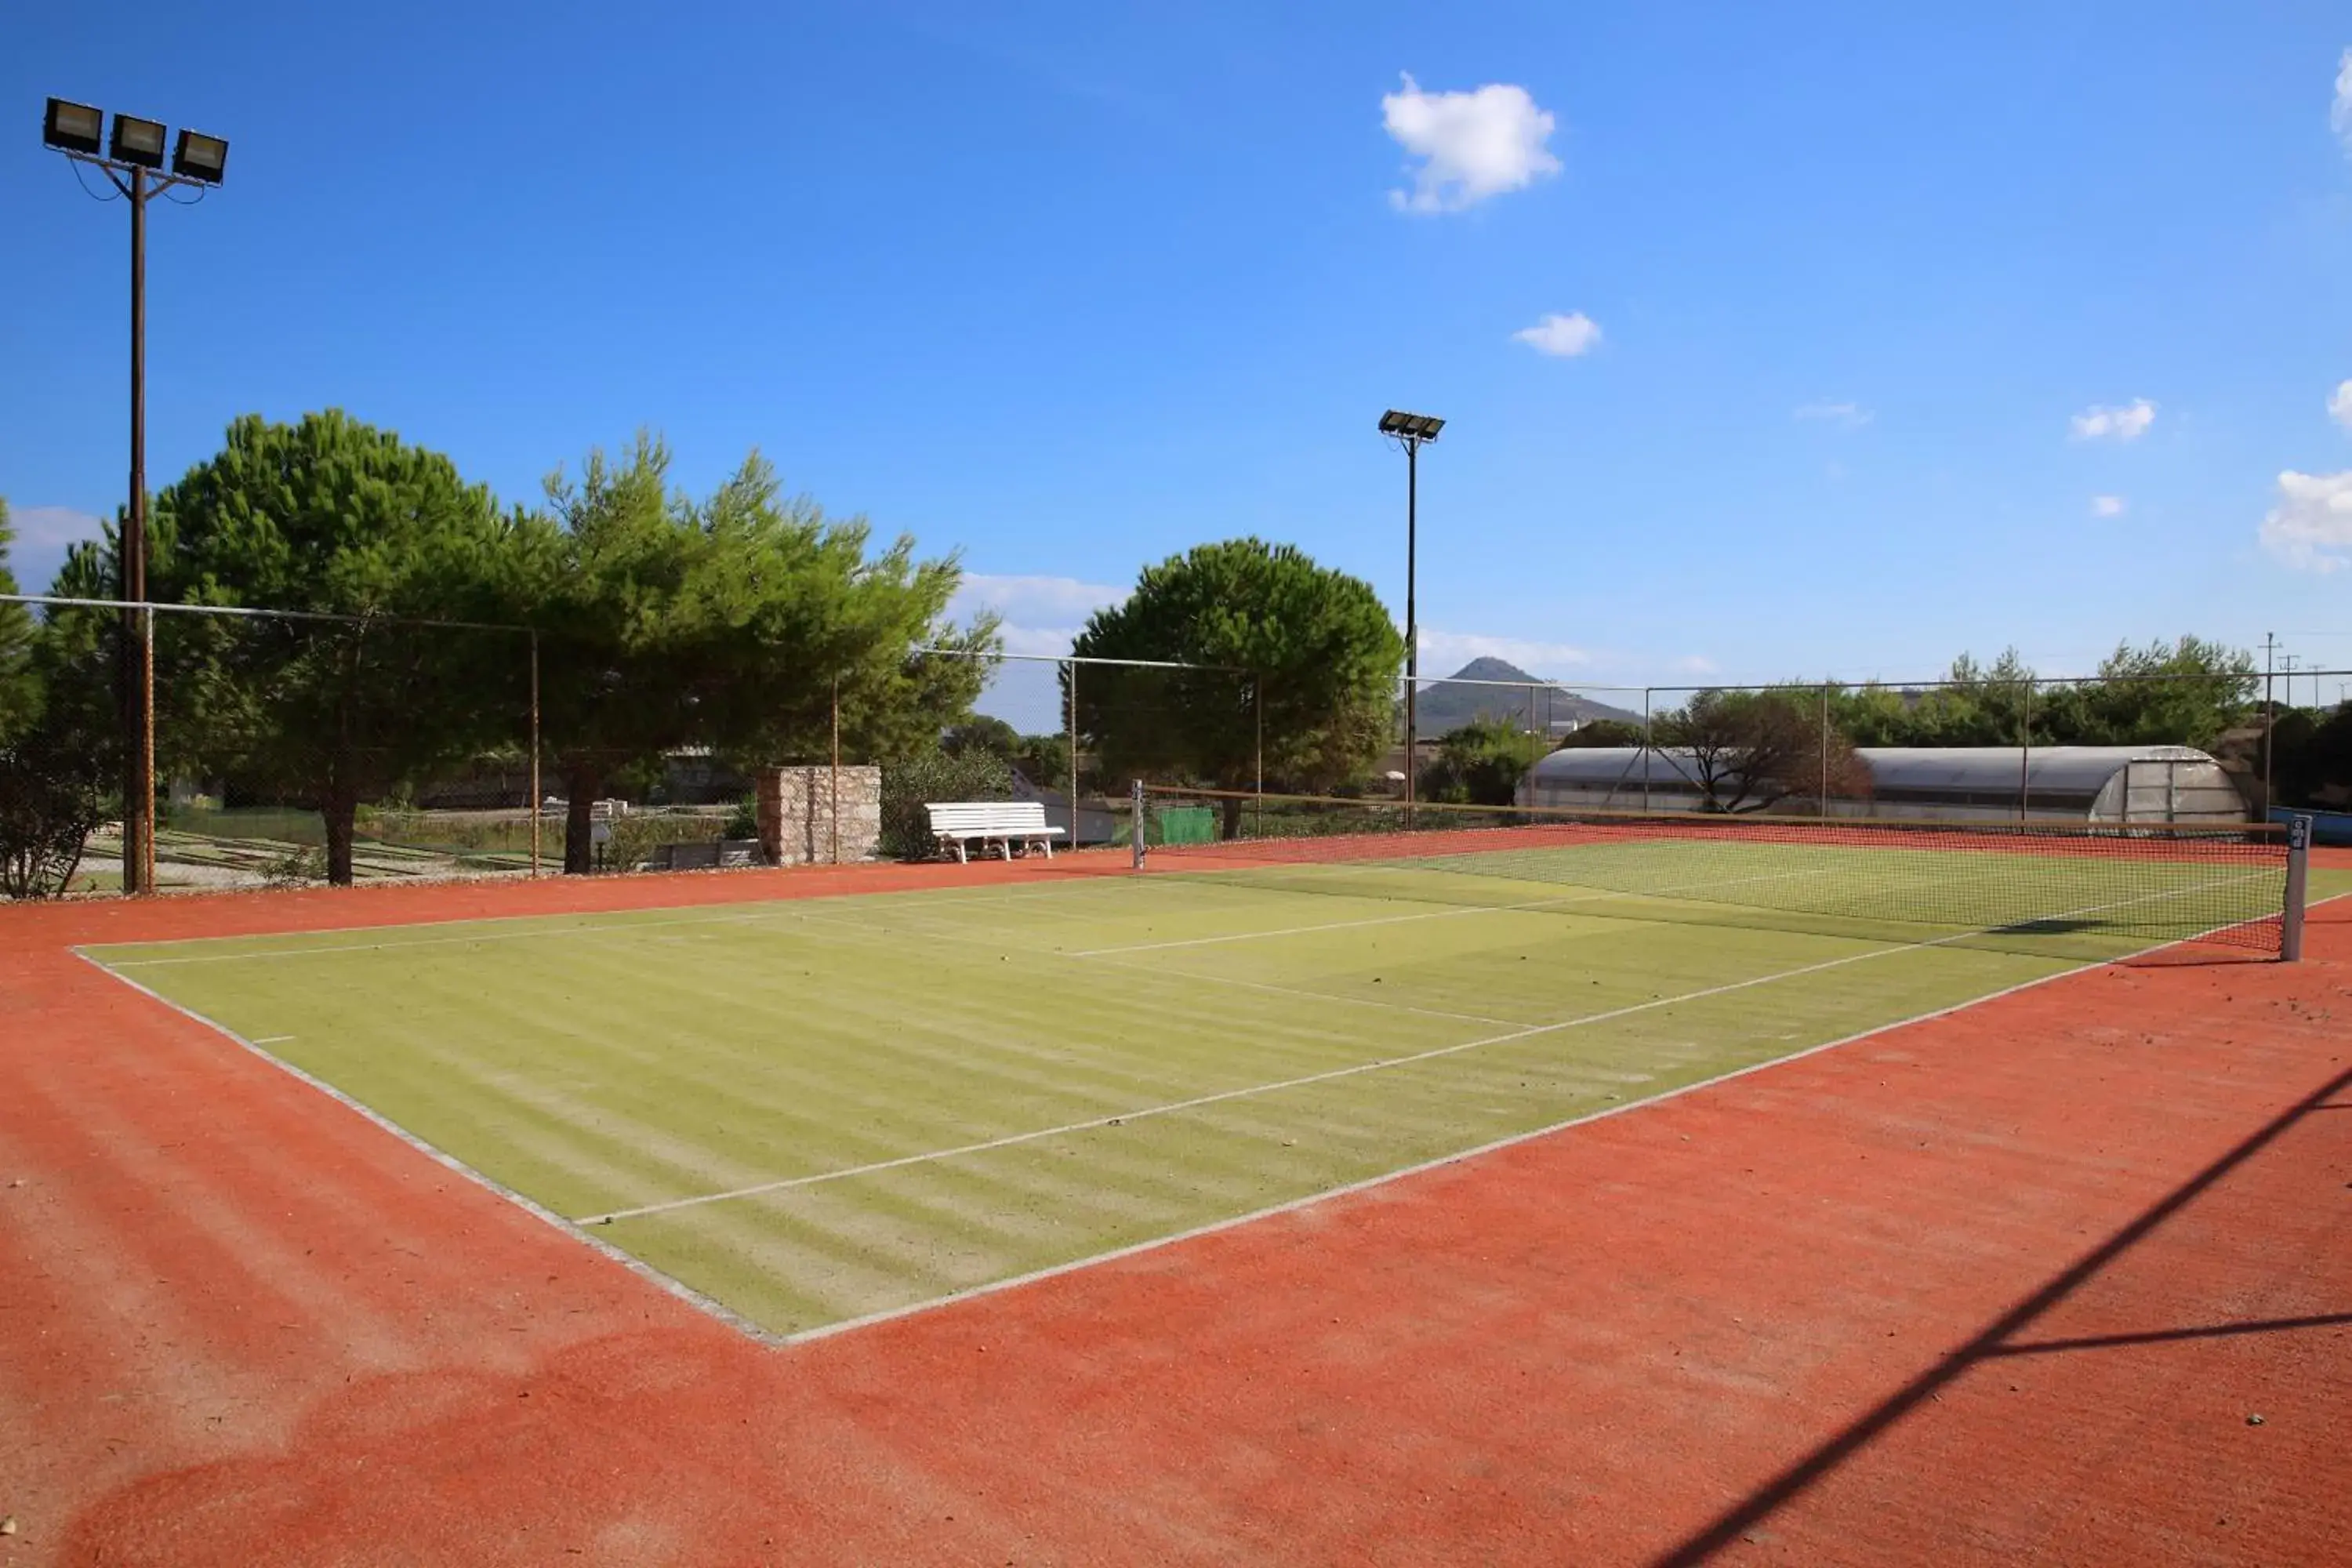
[(2298, 875), (1135, 805)]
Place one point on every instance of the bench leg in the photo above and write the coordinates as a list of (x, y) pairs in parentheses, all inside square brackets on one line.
[(1047, 845), (1004, 847), (963, 857)]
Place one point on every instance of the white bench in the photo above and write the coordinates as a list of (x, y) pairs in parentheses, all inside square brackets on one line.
[(1003, 823)]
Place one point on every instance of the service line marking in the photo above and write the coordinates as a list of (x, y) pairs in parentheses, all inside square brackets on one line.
[(1012, 1140), (1583, 898), (1173, 975)]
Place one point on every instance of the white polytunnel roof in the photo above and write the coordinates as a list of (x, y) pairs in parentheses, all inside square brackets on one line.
[(2058, 770)]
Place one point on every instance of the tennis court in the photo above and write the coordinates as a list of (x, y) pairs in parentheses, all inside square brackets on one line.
[(814, 1111)]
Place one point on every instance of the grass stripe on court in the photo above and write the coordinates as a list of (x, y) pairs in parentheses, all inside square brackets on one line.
[(820, 1111)]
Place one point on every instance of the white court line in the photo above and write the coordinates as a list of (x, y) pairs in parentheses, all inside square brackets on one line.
[(918, 898), (537, 1210), (272, 1040), (1012, 1140), (1584, 897), (618, 928), (1460, 1156), (1173, 975), (1189, 975)]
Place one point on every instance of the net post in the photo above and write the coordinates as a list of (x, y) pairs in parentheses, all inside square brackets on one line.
[(1135, 800), (2298, 876)]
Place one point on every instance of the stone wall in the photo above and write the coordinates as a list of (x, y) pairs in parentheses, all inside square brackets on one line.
[(796, 819)]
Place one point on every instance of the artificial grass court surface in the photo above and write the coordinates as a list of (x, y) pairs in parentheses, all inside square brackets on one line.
[(931, 1091)]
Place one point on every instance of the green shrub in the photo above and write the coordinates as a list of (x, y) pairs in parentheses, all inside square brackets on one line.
[(1481, 764), (930, 777), (743, 822)]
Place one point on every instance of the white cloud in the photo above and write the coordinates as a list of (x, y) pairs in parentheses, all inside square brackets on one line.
[(2339, 113), (52, 527), (2106, 506), (44, 534), (1443, 653), (1852, 415), (1562, 337), (2129, 423), (2340, 405), (1473, 145), (1029, 598), (2311, 527), (1043, 617)]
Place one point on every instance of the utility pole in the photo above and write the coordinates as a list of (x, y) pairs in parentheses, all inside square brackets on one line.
[(132, 164)]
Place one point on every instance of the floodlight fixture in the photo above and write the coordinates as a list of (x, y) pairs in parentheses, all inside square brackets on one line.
[(136, 141), (71, 127), (1413, 427), (200, 157)]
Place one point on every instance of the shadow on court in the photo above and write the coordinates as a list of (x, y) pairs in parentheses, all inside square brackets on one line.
[(1998, 1341)]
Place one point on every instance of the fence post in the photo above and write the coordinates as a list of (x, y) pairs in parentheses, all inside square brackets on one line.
[(836, 769), (534, 753), (1074, 752), (2270, 719), (1825, 751), (2298, 874), (1645, 748), (2025, 758), (1135, 802), (1257, 711)]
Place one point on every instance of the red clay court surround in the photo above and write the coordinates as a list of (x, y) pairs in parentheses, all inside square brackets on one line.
[(2007, 1286)]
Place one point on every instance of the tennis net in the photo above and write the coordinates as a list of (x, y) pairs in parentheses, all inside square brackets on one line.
[(2076, 889)]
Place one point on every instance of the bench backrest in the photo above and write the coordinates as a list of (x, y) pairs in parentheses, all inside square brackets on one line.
[(987, 815)]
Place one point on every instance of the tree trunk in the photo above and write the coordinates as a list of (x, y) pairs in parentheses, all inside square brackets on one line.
[(340, 809), (580, 783), (1233, 804)]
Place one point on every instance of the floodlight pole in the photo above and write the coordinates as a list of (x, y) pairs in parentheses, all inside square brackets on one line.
[(1411, 431), (137, 633), (1411, 620), (139, 776)]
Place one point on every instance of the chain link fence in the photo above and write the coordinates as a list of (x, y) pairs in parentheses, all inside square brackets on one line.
[(292, 749)]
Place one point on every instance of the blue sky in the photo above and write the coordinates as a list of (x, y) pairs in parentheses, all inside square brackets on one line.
[(1771, 344)]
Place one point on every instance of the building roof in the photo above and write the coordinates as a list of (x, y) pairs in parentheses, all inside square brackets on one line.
[(2056, 770)]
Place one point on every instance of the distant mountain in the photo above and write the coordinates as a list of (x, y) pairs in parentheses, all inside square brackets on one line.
[(1446, 705)]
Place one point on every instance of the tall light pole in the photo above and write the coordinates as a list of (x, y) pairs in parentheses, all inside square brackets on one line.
[(1410, 431), (132, 162)]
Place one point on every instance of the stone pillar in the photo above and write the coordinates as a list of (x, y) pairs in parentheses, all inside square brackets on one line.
[(796, 814)]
